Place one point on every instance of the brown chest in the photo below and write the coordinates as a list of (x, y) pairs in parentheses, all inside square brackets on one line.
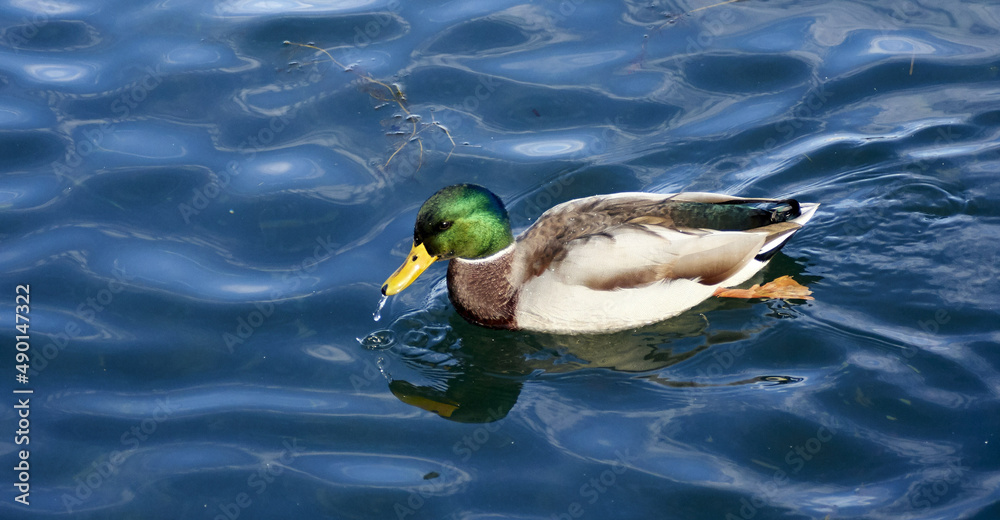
[(482, 293)]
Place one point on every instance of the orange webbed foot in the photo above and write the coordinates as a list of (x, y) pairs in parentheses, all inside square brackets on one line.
[(784, 288)]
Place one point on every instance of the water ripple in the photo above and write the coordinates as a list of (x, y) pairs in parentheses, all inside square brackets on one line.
[(205, 213)]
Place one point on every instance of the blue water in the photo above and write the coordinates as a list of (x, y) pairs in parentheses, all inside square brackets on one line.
[(204, 214)]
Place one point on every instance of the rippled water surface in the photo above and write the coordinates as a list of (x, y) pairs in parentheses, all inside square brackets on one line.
[(204, 199)]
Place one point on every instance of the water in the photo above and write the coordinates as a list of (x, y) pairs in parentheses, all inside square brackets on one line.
[(377, 315), (205, 216), (378, 340)]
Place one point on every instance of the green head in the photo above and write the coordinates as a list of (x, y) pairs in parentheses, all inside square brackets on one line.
[(463, 221)]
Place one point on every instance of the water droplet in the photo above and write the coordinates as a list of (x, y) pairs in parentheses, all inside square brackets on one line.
[(382, 363), (378, 310), (378, 340)]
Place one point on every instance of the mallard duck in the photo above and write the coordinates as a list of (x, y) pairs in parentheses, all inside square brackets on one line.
[(596, 264)]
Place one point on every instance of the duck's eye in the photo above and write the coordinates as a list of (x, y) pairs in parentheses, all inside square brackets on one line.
[(445, 224)]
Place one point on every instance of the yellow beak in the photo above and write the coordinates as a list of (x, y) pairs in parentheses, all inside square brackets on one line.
[(416, 262)]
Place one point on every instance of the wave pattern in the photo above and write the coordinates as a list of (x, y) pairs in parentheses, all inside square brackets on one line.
[(205, 198)]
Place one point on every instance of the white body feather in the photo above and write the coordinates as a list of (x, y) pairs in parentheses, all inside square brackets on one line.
[(559, 300)]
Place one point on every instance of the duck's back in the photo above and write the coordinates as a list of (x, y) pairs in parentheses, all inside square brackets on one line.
[(625, 260)]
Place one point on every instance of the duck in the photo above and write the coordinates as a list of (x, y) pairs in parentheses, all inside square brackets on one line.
[(602, 263)]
